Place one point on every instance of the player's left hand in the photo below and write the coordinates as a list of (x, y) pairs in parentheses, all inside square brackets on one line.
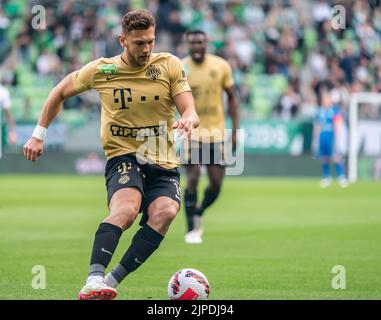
[(185, 126)]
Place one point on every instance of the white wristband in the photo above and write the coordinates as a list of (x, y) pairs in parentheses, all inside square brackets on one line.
[(39, 133)]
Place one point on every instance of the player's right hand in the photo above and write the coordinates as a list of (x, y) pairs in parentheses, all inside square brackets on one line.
[(33, 149), (185, 125)]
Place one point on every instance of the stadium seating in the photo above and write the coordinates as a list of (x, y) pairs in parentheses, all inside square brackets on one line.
[(264, 26)]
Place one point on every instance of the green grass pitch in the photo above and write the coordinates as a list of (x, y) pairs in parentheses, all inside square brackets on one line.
[(264, 239)]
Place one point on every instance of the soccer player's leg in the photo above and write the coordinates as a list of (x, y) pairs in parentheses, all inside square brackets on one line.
[(124, 207), (192, 172), (325, 154), (216, 174), (340, 170), (191, 155), (125, 188), (326, 175), (160, 205)]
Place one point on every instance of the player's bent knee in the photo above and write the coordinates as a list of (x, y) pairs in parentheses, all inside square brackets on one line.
[(123, 215), (170, 213), (164, 211)]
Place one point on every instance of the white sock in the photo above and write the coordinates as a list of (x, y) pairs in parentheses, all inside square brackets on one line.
[(94, 278)]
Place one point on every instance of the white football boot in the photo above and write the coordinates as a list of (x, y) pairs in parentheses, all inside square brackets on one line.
[(97, 290), (343, 182), (193, 237), (326, 182)]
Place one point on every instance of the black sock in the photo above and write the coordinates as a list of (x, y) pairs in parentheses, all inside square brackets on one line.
[(209, 197), (190, 207), (105, 242), (143, 244)]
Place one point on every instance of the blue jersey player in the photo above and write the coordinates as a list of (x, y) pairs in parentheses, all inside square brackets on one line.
[(328, 132)]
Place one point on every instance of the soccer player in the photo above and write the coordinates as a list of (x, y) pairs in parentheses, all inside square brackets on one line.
[(8, 133), (328, 129), (209, 77), (139, 91)]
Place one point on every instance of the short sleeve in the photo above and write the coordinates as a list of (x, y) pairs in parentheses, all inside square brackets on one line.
[(6, 99), (227, 81), (177, 76), (83, 78)]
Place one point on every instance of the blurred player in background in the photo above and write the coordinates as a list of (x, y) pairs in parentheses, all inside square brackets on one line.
[(138, 90), (8, 133), (328, 137), (209, 77)]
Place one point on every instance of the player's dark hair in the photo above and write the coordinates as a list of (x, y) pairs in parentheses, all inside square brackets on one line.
[(137, 20), (194, 32)]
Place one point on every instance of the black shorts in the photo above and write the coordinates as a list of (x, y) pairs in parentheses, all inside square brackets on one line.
[(195, 152), (151, 180)]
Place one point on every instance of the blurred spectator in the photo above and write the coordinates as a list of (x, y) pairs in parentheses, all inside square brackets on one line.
[(348, 63), (289, 103), (321, 12), (23, 43), (47, 63), (293, 40), (318, 64), (175, 27), (4, 24), (59, 40), (5, 107)]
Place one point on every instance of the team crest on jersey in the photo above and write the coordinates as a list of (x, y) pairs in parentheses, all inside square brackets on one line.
[(124, 179), (153, 72)]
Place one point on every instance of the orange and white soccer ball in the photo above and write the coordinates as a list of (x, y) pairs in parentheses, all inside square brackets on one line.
[(188, 284)]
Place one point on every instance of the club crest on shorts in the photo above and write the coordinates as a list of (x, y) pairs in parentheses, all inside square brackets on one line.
[(124, 179), (153, 72)]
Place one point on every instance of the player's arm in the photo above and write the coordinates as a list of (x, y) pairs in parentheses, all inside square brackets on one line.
[(189, 118), (338, 127), (233, 113), (7, 104), (33, 148), (11, 126), (337, 124)]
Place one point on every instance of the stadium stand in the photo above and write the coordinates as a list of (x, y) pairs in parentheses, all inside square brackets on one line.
[(281, 51)]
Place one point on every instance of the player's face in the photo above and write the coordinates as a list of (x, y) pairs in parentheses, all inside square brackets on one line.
[(326, 100), (197, 47), (138, 46)]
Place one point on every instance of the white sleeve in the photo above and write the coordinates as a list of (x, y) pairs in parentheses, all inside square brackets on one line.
[(5, 99)]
